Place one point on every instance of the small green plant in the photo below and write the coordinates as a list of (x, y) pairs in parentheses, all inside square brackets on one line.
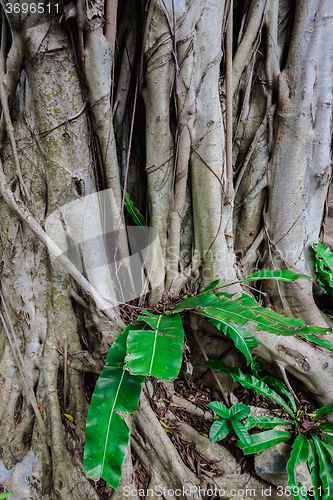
[(153, 345), (313, 444), (134, 212), (221, 427), (324, 266)]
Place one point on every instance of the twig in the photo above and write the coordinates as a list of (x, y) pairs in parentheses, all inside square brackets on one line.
[(221, 358), (129, 148), (286, 381), (22, 368), (195, 327), (206, 165), (65, 122), (271, 257)]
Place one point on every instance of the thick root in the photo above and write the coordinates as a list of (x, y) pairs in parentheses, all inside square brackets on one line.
[(170, 479)]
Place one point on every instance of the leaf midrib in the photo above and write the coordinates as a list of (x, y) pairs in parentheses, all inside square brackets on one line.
[(111, 415), (154, 345)]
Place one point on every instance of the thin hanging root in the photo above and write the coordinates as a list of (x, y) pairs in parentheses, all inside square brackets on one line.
[(111, 7), (230, 190), (286, 381), (21, 366), (6, 112), (195, 327), (65, 374), (221, 358), (183, 150)]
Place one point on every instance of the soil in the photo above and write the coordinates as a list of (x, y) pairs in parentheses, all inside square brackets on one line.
[(200, 397)]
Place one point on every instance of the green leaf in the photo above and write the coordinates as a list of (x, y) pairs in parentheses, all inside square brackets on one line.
[(5, 495), (106, 432), (219, 408), (263, 441), (241, 432), (264, 422), (246, 309), (329, 438), (329, 444), (265, 274), (325, 468), (156, 352), (242, 337), (299, 453), (250, 382), (219, 430), (239, 411), (279, 387), (321, 342), (221, 367), (210, 287), (283, 275), (323, 411), (137, 217), (203, 300), (256, 367), (313, 465), (327, 426), (324, 262)]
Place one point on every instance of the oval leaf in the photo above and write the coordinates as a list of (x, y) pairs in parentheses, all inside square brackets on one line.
[(241, 432), (219, 430), (219, 408), (239, 411)]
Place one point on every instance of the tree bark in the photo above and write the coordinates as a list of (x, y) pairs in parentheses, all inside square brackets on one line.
[(59, 145)]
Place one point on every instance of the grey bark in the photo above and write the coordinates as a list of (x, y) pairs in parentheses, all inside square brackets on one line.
[(282, 134)]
